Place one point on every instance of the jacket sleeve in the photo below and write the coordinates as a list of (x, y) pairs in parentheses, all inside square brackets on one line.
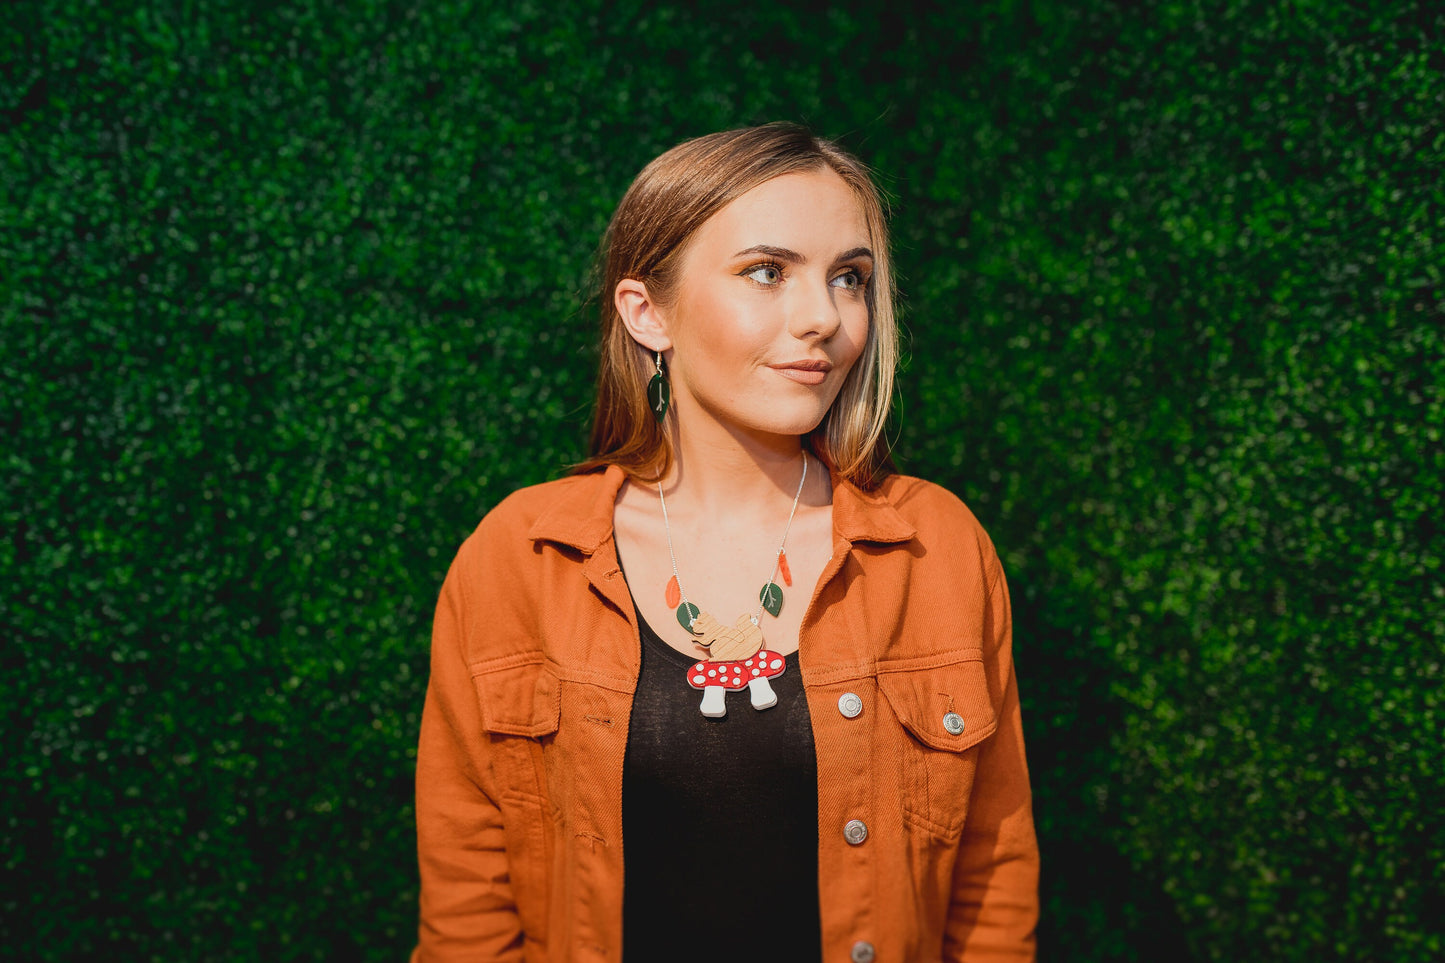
[(467, 908), (995, 903)]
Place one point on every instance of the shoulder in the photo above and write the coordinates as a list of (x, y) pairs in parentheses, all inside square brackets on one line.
[(573, 510), (929, 507), (939, 517), (523, 549), (523, 507)]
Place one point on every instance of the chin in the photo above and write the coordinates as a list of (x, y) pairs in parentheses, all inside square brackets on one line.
[(769, 414), (803, 424)]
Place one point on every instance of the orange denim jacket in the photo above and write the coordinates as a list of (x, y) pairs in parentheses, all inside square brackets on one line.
[(535, 658)]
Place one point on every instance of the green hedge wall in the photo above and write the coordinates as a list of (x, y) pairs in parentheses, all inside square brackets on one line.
[(291, 293)]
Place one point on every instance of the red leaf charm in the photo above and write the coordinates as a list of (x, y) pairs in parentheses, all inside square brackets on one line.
[(674, 593), (783, 569)]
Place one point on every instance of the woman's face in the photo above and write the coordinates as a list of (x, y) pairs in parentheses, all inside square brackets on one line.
[(771, 309)]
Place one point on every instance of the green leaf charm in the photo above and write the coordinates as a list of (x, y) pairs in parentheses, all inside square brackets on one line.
[(659, 396), (686, 613), (772, 598)]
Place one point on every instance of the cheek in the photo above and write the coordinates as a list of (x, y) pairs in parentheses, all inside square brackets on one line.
[(853, 337), (714, 325), (730, 334)]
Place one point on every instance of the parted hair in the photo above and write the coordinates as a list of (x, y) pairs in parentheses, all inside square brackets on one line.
[(665, 205)]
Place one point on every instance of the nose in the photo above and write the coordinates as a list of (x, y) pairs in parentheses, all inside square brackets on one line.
[(814, 314)]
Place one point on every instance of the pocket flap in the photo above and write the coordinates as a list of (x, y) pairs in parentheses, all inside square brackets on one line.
[(924, 696), (519, 699)]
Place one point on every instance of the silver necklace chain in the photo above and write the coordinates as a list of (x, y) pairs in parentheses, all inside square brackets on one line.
[(758, 615)]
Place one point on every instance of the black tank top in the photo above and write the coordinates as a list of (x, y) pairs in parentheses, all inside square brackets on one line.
[(719, 821)]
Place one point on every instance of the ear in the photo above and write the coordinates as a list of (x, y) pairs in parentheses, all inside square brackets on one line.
[(641, 316)]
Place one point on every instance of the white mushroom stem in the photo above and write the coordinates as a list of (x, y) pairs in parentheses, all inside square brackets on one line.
[(714, 705), (763, 695)]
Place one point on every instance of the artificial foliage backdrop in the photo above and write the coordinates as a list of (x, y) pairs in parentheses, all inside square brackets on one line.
[(291, 293)]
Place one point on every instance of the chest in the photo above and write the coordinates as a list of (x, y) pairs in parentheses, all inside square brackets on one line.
[(724, 570)]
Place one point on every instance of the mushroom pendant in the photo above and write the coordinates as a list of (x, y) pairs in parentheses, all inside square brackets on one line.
[(742, 661)]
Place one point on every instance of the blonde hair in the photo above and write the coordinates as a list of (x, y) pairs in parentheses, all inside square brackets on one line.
[(649, 232)]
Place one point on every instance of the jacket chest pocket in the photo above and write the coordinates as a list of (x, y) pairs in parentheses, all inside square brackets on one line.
[(519, 695), (521, 704), (943, 706)]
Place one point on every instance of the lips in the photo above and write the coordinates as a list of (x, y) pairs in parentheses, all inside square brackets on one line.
[(804, 372)]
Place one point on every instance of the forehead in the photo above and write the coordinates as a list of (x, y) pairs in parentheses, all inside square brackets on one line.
[(814, 212)]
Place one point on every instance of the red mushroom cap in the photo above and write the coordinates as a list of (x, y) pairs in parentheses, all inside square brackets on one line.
[(729, 675), (735, 674)]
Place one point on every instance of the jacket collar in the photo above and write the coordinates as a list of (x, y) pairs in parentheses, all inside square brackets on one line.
[(581, 515)]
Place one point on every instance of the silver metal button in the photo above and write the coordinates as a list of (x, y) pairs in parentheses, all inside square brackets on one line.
[(855, 831), (953, 722), (863, 952), (850, 705)]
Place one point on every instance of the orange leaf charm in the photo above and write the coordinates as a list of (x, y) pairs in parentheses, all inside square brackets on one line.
[(674, 593), (783, 569)]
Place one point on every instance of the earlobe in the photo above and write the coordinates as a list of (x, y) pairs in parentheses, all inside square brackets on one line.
[(640, 315)]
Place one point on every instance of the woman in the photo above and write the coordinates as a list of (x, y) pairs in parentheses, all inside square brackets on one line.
[(791, 729)]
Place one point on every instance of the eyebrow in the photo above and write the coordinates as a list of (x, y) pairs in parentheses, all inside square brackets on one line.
[(793, 257)]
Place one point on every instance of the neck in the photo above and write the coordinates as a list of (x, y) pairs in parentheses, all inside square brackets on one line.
[(724, 473)]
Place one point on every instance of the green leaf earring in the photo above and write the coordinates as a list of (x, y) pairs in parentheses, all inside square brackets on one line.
[(659, 393)]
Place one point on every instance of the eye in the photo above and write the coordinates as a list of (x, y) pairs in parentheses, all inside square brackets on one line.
[(850, 280), (765, 274)]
